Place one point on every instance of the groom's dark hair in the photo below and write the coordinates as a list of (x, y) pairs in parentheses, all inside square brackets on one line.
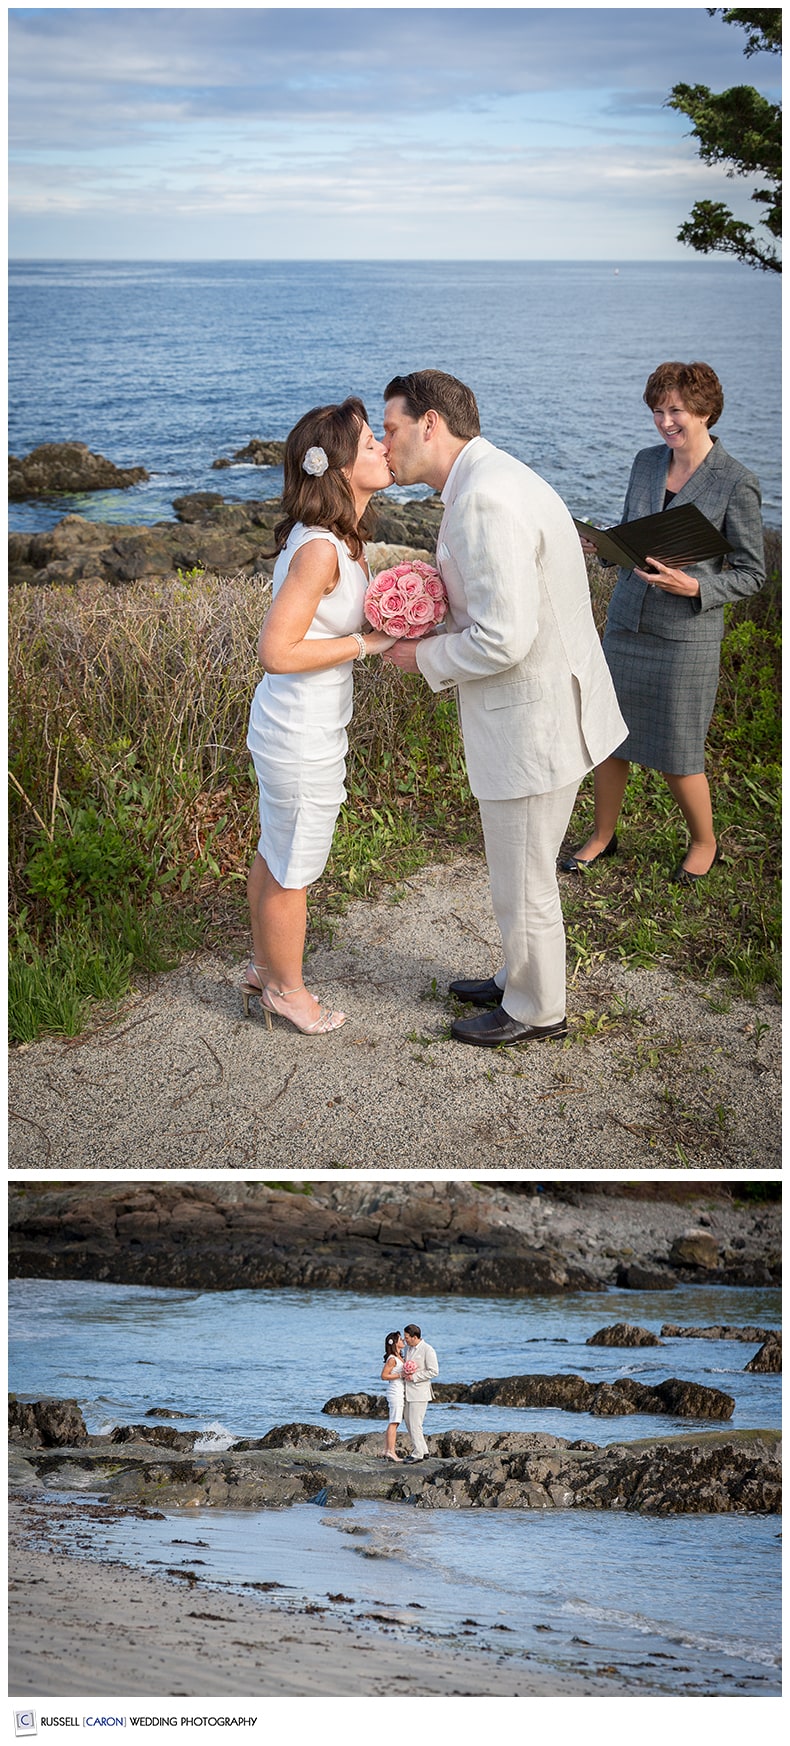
[(433, 391), (412, 1329)]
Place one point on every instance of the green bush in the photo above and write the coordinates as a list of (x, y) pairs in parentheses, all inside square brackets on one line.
[(89, 860)]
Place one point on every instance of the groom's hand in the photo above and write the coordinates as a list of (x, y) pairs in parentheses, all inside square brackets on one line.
[(404, 655)]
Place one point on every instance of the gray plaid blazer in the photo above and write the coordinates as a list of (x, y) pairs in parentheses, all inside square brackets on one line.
[(729, 496)]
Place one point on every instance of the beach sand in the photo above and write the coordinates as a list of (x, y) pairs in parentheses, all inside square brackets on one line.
[(658, 1069), (80, 1628)]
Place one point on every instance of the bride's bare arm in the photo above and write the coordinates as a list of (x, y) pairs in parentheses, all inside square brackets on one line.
[(283, 645)]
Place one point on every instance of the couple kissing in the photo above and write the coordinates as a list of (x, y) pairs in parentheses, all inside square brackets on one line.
[(410, 1364)]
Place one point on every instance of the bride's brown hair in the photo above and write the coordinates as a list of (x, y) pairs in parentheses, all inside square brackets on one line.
[(325, 501), (391, 1345)]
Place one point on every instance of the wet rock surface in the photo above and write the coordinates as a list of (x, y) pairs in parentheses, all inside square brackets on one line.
[(687, 1400), (52, 468), (209, 534), (768, 1360), (446, 1236), (714, 1472), (46, 1423)]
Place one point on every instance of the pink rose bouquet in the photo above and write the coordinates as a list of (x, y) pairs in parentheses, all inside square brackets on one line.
[(409, 1368), (406, 601)]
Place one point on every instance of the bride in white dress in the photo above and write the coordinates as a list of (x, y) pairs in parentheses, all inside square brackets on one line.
[(310, 638), (392, 1374)]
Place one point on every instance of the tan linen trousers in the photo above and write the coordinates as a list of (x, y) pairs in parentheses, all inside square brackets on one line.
[(414, 1413), (522, 842)]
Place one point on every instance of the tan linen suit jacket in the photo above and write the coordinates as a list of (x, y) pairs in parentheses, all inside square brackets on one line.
[(536, 701), (419, 1386)]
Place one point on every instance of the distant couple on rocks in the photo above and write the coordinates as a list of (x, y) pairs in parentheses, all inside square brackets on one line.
[(410, 1365)]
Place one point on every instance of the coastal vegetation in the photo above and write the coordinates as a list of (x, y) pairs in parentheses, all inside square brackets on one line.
[(133, 812)]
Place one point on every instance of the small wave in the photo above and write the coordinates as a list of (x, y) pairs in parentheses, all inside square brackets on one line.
[(699, 1641), (214, 1439)]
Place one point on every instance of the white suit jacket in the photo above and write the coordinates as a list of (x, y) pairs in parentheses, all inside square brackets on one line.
[(537, 704), (419, 1386)]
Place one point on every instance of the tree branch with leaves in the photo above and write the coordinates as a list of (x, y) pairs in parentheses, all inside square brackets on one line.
[(741, 129)]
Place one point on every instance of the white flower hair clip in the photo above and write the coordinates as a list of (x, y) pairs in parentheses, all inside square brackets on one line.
[(315, 463)]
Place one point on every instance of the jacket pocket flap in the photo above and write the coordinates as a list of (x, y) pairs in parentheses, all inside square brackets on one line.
[(506, 696)]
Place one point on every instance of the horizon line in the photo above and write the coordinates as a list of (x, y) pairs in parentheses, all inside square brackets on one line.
[(384, 260)]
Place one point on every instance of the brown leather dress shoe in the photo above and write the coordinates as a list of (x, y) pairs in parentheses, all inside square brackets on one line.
[(489, 1029), (487, 993)]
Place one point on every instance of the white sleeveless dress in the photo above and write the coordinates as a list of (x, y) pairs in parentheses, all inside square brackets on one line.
[(297, 733), (395, 1393)]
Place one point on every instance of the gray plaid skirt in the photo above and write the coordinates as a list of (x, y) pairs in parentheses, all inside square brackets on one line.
[(666, 691)]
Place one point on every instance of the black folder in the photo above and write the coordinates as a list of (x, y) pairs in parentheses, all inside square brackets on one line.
[(676, 537)]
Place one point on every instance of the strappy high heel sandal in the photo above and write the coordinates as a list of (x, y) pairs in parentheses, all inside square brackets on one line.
[(326, 1021), (253, 991)]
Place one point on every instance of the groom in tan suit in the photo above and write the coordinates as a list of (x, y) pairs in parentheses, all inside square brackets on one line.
[(535, 699), (417, 1388)]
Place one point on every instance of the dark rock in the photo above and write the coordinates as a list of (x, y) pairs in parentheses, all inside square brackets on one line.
[(50, 1424), (66, 467), (299, 1437), (691, 1400), (623, 1334), (257, 452), (158, 1436), (768, 1361), (570, 1393), (671, 1331), (415, 523), (361, 1406), (198, 506), (635, 1277), (765, 1272)]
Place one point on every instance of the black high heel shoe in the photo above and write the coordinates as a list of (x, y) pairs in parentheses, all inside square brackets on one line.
[(682, 876), (573, 864)]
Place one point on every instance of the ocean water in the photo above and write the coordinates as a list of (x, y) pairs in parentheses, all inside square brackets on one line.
[(577, 1590), (173, 365)]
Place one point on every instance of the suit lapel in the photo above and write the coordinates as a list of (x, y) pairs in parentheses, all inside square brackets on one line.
[(659, 481), (695, 486)]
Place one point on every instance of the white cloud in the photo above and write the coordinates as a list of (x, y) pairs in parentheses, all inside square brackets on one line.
[(448, 127)]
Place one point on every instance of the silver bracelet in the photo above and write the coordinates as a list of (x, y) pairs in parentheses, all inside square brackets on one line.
[(360, 642)]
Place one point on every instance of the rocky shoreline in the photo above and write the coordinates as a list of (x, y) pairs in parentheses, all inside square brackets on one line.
[(209, 533), (133, 1468), (433, 1236)]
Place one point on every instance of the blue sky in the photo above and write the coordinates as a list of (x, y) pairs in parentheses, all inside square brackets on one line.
[(521, 132)]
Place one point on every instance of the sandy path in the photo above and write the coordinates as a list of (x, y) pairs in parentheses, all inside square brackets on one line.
[(658, 1070)]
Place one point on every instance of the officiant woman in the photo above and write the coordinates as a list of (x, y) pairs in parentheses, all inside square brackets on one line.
[(664, 626)]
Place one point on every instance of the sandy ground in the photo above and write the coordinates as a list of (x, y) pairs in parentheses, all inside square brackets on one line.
[(658, 1070), (84, 1629)]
